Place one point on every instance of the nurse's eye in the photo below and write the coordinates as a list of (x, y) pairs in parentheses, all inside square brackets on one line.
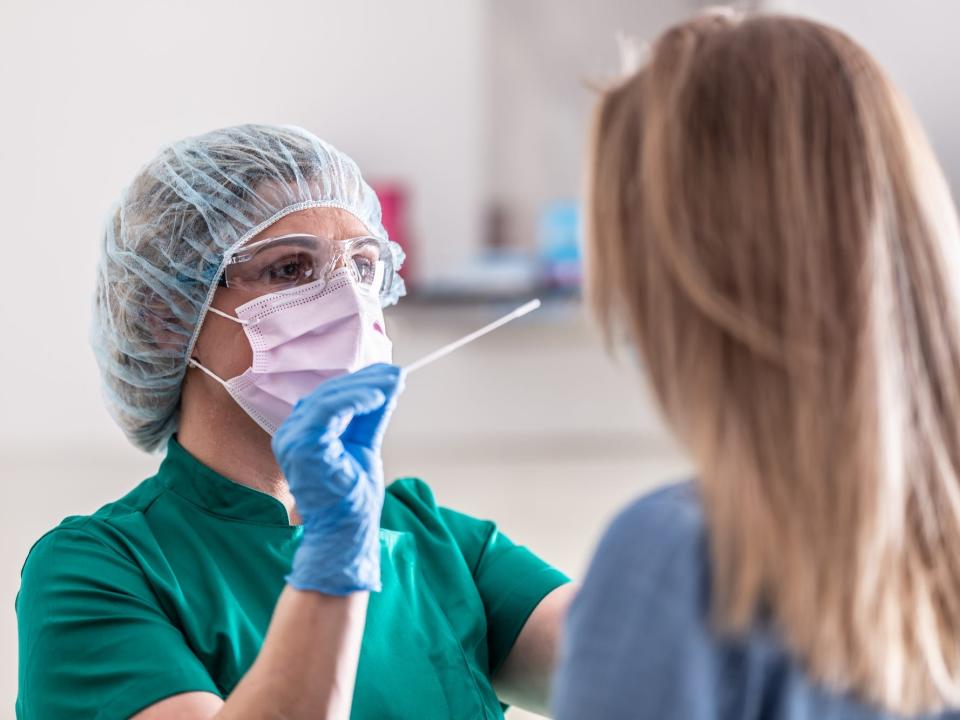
[(365, 258), (366, 269), (292, 269)]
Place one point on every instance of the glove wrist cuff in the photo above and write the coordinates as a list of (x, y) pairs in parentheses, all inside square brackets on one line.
[(337, 565)]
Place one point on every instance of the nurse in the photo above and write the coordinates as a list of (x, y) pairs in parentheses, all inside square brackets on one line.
[(772, 231), (264, 571)]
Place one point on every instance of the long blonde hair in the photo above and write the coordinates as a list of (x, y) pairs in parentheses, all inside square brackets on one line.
[(769, 225)]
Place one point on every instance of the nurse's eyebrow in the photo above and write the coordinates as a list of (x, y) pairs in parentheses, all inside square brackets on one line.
[(298, 239), (246, 252)]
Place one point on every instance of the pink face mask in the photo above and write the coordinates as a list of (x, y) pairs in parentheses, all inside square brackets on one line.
[(300, 338)]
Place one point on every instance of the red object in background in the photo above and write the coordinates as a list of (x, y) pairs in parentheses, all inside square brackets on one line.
[(395, 205)]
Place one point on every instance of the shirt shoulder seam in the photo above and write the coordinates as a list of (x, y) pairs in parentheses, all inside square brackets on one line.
[(81, 523)]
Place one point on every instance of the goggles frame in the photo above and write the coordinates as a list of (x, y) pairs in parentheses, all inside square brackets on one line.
[(384, 270)]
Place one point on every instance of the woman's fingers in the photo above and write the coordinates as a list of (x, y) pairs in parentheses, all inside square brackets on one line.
[(368, 428), (361, 402), (376, 375), (316, 413)]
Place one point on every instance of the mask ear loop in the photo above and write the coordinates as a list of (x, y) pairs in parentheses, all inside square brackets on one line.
[(228, 316), (195, 363), (191, 362)]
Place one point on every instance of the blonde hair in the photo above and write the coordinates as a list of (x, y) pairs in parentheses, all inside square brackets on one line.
[(769, 225)]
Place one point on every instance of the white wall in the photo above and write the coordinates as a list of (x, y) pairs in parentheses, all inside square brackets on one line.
[(916, 42), (545, 55), (91, 90)]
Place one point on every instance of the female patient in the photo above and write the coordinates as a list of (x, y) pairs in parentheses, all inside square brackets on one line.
[(770, 229)]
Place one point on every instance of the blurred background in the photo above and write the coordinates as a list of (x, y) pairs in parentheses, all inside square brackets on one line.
[(470, 119)]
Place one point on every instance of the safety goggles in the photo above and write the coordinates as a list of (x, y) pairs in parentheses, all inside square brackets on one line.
[(288, 261)]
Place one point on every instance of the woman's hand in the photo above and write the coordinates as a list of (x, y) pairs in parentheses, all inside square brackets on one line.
[(329, 451)]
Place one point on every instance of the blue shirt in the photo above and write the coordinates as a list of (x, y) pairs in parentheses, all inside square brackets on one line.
[(639, 642)]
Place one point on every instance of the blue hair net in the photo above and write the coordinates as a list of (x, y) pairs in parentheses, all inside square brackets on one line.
[(165, 243)]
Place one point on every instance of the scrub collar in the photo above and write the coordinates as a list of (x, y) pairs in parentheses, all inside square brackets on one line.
[(184, 475)]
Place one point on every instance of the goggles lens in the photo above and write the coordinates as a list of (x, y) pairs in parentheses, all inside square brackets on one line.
[(288, 261)]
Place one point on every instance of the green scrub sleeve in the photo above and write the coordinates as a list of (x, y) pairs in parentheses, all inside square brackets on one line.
[(510, 578), (94, 641)]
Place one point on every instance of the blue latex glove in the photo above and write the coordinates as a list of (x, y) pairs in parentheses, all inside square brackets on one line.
[(329, 451)]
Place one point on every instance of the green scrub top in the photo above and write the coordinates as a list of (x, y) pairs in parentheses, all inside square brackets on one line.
[(170, 589)]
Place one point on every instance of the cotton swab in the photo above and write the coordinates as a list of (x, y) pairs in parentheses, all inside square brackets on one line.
[(456, 345)]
